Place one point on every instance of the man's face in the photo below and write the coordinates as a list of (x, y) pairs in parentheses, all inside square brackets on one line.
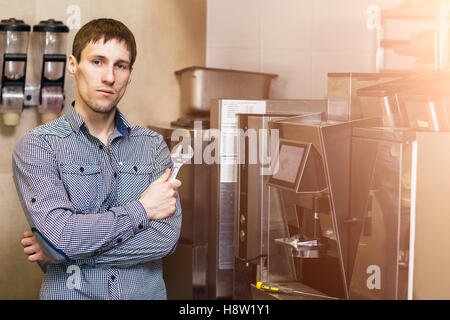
[(101, 75)]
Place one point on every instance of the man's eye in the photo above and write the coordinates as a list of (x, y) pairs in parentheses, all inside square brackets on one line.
[(97, 62), (121, 66)]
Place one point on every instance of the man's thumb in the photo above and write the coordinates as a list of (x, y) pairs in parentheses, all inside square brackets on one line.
[(164, 176)]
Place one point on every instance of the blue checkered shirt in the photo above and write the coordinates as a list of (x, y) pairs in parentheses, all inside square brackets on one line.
[(81, 201)]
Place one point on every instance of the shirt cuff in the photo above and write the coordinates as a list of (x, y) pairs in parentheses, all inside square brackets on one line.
[(138, 216)]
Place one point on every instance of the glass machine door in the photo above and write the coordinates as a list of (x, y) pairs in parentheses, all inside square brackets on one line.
[(380, 207)]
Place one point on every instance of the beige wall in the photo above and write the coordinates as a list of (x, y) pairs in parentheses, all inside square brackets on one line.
[(299, 40), (19, 279), (170, 35)]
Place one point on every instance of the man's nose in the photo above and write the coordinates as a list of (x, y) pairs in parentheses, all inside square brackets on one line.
[(108, 75)]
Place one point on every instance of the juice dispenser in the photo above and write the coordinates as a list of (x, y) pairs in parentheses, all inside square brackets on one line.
[(50, 64), (13, 57)]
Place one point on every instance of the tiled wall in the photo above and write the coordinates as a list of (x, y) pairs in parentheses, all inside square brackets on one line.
[(170, 35), (300, 40)]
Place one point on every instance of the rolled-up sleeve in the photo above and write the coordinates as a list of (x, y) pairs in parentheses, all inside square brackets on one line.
[(62, 233)]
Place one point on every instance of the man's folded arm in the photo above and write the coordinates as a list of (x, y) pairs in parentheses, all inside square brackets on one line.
[(62, 233), (155, 242)]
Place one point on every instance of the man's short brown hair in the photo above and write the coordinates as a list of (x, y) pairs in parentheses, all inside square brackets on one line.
[(106, 29)]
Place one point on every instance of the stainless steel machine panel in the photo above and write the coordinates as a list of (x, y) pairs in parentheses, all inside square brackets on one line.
[(432, 220), (252, 202), (400, 182), (378, 241)]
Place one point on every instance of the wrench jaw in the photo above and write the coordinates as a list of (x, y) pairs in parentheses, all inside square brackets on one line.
[(179, 158)]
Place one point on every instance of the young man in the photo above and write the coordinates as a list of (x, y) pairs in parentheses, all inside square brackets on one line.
[(95, 188)]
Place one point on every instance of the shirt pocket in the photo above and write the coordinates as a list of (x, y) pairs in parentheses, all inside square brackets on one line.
[(134, 178), (82, 183)]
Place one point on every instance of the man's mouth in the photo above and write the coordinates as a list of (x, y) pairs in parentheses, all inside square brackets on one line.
[(106, 92)]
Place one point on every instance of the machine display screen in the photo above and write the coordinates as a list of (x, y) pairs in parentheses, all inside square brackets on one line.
[(290, 164), (290, 158)]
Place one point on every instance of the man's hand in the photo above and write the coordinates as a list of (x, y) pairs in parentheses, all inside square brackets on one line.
[(159, 199), (32, 248)]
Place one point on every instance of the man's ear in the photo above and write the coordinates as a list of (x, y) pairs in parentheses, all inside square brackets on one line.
[(129, 79), (72, 65)]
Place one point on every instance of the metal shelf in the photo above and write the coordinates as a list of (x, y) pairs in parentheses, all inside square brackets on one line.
[(435, 51), (408, 48), (424, 11)]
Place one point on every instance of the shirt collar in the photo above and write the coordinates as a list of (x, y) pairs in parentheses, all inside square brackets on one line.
[(76, 122), (122, 125)]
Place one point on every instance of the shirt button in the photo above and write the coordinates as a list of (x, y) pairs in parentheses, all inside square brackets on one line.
[(140, 226), (113, 277), (115, 174), (33, 200), (100, 146), (81, 169), (135, 168), (119, 240)]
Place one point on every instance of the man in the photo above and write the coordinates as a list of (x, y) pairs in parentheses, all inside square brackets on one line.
[(95, 188)]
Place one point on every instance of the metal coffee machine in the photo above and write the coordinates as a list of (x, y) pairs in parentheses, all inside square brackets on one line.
[(304, 215), (398, 200), (309, 205), (229, 267), (14, 36)]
